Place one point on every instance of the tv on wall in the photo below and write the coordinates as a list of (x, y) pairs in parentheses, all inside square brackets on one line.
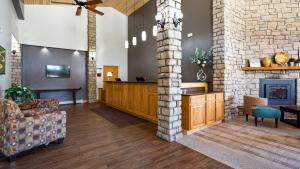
[(58, 71)]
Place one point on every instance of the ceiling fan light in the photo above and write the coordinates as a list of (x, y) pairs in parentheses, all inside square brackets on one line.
[(155, 30), (134, 41), (78, 12), (126, 44), (144, 36)]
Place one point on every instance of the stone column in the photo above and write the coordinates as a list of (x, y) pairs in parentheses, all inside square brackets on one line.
[(16, 64), (91, 59), (169, 55)]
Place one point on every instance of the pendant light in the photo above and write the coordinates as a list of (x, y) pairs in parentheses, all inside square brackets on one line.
[(126, 41), (134, 40), (155, 30), (144, 33)]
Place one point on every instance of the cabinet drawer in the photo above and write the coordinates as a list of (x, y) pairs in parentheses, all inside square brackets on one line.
[(197, 100), (210, 97)]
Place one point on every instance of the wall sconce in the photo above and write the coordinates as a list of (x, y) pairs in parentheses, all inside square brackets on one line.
[(161, 20), (177, 19)]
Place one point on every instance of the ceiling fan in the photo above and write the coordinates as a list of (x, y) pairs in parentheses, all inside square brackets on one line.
[(89, 5)]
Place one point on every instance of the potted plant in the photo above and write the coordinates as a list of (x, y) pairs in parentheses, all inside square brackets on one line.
[(297, 62), (19, 94), (292, 61), (201, 58)]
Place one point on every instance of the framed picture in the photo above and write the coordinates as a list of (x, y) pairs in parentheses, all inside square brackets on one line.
[(2, 60), (254, 63)]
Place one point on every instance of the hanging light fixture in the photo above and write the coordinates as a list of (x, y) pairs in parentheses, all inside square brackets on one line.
[(134, 40), (154, 30), (144, 33), (126, 41)]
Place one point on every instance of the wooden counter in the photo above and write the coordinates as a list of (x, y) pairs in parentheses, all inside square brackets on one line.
[(200, 110), (136, 98)]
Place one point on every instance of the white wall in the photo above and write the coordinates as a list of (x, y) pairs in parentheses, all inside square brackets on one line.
[(54, 26), (111, 35), (8, 26)]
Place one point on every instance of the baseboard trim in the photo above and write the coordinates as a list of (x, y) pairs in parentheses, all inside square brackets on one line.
[(81, 101)]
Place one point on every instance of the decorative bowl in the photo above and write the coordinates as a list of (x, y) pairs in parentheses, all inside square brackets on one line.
[(281, 58), (266, 62)]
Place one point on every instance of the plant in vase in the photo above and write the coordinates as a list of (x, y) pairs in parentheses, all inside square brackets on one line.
[(297, 62), (201, 58), (292, 62), (19, 94)]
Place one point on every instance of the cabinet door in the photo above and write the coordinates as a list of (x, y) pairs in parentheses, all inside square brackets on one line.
[(220, 106), (198, 116), (210, 108)]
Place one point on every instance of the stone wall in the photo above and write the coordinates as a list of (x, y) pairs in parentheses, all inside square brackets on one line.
[(272, 26), (91, 59), (247, 29), (229, 54), (169, 55)]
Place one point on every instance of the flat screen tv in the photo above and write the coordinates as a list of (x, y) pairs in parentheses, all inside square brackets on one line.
[(58, 71)]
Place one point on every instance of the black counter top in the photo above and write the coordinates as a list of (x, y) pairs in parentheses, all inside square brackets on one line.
[(198, 93)]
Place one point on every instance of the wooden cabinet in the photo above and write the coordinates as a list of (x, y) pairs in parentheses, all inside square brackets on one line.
[(210, 108), (202, 110), (220, 107), (139, 99)]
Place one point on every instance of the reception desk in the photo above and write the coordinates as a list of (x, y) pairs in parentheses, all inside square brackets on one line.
[(200, 108), (136, 98)]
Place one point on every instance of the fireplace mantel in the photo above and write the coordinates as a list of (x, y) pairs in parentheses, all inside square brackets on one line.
[(270, 68)]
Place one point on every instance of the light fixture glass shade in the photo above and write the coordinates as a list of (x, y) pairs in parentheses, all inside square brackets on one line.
[(134, 41), (109, 74), (126, 44), (144, 36), (155, 30), (179, 15), (158, 17)]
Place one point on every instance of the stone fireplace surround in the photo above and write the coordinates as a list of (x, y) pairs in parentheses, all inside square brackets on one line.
[(252, 29)]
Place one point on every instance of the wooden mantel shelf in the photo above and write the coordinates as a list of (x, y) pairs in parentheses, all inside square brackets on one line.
[(270, 68)]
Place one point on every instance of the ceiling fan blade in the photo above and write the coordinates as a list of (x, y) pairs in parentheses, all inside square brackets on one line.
[(78, 11), (94, 10), (94, 2)]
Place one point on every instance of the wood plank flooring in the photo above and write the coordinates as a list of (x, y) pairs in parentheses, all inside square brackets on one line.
[(94, 141)]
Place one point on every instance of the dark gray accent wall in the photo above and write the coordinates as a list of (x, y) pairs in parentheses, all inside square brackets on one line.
[(198, 20), (35, 59)]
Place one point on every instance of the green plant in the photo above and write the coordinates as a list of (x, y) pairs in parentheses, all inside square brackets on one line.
[(15, 92), (297, 61), (201, 56), (292, 60)]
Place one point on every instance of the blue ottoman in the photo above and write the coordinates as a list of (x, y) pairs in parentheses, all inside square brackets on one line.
[(266, 112)]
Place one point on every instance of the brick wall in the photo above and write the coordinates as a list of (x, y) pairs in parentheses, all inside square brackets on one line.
[(91, 59)]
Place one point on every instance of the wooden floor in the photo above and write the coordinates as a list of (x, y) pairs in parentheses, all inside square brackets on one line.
[(95, 141)]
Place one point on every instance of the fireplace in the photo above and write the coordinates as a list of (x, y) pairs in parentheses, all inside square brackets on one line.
[(278, 91)]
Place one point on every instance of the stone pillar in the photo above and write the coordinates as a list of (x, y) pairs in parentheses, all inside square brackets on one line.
[(16, 65), (169, 55), (91, 59)]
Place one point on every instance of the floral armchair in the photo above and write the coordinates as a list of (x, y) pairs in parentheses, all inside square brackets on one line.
[(24, 130)]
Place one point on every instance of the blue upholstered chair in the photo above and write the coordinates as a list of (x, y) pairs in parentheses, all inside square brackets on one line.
[(266, 112)]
